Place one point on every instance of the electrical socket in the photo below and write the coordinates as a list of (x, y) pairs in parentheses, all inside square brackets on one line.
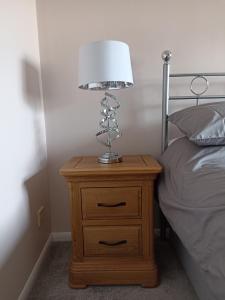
[(40, 212)]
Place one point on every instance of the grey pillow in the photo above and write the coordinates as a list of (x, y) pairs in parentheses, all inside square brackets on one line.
[(204, 124)]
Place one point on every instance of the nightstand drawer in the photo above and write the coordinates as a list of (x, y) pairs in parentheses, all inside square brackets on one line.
[(112, 240), (111, 202)]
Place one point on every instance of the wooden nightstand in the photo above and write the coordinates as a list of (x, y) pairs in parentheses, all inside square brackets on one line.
[(112, 221)]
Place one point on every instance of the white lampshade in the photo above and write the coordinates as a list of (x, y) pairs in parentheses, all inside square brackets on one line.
[(105, 65)]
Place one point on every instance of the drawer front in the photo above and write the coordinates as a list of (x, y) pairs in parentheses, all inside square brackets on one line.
[(111, 202), (112, 240)]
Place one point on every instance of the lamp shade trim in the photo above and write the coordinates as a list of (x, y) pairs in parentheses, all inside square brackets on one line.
[(106, 85)]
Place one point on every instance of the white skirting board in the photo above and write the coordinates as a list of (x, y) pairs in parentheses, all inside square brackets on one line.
[(33, 275), (53, 237)]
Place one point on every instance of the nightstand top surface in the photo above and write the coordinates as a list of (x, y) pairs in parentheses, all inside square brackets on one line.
[(131, 164)]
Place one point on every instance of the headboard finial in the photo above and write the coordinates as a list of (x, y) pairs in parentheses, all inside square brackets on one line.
[(166, 55)]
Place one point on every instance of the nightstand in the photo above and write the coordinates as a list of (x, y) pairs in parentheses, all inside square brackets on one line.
[(112, 221)]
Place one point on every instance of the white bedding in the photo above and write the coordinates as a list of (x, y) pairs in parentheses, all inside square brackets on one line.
[(192, 197)]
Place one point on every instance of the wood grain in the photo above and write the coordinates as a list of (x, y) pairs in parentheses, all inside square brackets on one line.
[(113, 238), (111, 202), (131, 164), (113, 243)]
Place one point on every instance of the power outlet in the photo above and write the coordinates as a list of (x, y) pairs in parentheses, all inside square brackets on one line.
[(40, 212)]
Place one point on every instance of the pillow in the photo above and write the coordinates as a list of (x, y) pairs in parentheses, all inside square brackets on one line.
[(203, 124)]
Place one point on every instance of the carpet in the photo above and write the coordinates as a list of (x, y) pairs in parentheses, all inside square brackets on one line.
[(52, 282)]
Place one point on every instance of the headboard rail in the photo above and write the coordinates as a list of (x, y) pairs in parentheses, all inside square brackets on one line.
[(196, 74)]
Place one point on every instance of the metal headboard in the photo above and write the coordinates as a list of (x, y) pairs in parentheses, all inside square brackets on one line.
[(166, 55)]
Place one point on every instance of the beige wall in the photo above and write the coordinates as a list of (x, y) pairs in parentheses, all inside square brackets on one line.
[(193, 30), (23, 177)]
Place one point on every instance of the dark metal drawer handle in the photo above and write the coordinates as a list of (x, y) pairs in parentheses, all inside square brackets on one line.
[(112, 243), (111, 205)]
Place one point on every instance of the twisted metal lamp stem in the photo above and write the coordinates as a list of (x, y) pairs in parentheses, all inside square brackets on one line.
[(109, 128)]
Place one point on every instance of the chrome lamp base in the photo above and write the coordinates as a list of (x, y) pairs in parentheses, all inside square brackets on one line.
[(110, 158)]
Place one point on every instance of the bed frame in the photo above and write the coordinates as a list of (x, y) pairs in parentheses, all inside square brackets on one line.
[(166, 56), (193, 271)]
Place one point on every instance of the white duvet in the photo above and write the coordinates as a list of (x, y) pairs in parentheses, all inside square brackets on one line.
[(192, 197)]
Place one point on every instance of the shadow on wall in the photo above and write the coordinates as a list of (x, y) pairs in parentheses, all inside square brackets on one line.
[(33, 97), (27, 242), (27, 246)]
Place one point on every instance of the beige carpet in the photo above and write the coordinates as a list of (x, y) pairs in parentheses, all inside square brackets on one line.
[(52, 281)]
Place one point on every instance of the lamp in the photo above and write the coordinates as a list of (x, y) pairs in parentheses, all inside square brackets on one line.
[(105, 65)]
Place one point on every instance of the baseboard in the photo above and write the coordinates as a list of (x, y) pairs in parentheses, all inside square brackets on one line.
[(33, 275), (61, 236), (53, 237)]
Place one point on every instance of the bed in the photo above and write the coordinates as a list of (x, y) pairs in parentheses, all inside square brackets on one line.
[(192, 195)]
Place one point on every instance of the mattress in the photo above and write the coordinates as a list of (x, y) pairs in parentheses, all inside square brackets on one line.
[(192, 197)]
